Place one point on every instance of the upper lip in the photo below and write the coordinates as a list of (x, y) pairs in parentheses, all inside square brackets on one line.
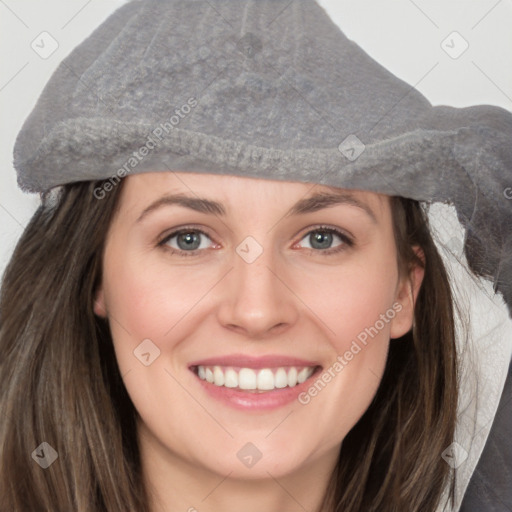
[(246, 361)]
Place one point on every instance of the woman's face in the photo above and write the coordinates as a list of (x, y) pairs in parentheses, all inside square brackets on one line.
[(255, 291)]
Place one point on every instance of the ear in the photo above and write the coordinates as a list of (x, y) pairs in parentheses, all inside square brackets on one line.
[(407, 293), (99, 303)]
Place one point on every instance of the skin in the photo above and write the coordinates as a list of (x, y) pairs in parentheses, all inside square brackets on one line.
[(292, 300)]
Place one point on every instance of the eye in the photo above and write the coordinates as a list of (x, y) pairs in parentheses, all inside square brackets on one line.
[(185, 242), (321, 239)]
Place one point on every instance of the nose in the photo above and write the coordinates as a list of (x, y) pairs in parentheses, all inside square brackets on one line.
[(257, 298)]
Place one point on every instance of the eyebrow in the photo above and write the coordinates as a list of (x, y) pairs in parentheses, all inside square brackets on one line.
[(311, 204)]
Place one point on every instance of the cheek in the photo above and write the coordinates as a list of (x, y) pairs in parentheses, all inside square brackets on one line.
[(350, 298), (149, 299), (156, 302), (354, 303), (362, 319)]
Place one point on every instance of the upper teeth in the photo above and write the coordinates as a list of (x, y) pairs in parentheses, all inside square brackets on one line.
[(264, 379)]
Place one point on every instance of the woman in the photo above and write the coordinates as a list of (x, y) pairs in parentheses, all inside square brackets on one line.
[(191, 353)]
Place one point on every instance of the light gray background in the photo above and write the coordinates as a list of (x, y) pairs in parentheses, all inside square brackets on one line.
[(404, 35)]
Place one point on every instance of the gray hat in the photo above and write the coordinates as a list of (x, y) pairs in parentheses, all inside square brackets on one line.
[(270, 89)]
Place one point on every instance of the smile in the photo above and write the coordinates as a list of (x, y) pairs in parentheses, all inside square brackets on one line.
[(249, 383), (249, 379)]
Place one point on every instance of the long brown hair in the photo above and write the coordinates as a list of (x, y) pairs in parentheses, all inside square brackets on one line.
[(60, 383)]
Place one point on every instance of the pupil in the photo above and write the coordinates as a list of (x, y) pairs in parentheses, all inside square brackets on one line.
[(323, 238), (188, 237)]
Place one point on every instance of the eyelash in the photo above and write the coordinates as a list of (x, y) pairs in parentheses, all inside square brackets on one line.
[(347, 241)]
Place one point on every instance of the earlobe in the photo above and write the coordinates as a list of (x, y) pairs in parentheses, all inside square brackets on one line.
[(406, 296), (99, 303)]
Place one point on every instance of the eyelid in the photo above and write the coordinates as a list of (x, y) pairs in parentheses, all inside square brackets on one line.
[(326, 227), (164, 238), (348, 240)]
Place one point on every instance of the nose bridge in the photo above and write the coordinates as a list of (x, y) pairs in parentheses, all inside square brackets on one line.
[(258, 300)]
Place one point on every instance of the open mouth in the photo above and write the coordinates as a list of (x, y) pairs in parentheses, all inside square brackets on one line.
[(252, 380)]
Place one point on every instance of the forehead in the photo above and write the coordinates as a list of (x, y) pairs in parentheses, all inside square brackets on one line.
[(226, 193), (221, 184)]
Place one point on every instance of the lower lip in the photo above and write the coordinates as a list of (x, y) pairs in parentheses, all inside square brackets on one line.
[(254, 401)]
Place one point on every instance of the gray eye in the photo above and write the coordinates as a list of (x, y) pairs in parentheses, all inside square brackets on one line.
[(321, 239), (189, 240)]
